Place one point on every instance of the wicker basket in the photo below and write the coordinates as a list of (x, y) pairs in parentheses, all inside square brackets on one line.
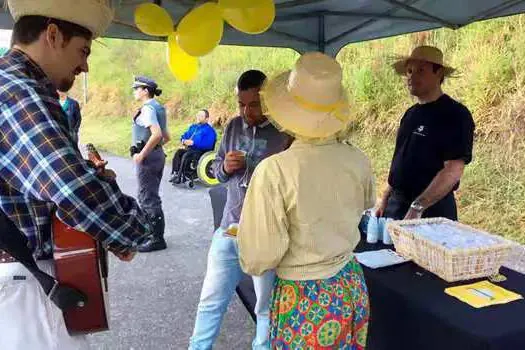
[(516, 259), (450, 264)]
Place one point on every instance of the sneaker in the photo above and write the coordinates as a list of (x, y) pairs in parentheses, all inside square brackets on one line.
[(173, 177)]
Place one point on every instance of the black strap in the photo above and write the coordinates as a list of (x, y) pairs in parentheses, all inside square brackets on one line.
[(16, 244)]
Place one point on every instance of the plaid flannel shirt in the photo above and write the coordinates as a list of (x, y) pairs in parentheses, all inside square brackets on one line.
[(42, 171)]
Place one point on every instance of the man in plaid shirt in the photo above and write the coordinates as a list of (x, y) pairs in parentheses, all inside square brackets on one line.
[(42, 172)]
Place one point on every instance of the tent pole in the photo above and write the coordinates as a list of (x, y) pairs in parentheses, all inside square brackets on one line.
[(321, 40), (85, 88)]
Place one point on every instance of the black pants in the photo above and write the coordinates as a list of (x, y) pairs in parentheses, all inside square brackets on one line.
[(182, 158), (398, 205), (149, 176)]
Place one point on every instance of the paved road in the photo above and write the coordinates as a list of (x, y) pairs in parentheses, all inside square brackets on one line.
[(153, 299)]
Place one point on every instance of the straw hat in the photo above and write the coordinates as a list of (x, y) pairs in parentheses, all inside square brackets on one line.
[(423, 53), (308, 102), (94, 15)]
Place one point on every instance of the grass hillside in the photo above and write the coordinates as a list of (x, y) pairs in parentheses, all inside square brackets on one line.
[(490, 57)]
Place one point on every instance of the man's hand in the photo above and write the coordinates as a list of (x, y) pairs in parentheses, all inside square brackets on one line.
[(107, 174), (100, 164), (234, 161), (138, 158), (127, 256), (413, 214), (381, 207)]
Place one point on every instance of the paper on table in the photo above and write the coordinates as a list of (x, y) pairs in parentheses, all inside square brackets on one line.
[(482, 294), (379, 258)]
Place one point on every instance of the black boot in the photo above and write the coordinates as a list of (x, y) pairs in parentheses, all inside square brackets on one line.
[(156, 240)]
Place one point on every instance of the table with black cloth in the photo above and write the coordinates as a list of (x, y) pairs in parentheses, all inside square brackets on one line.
[(410, 310)]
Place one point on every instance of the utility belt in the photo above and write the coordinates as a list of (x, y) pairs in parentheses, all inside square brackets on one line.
[(139, 146)]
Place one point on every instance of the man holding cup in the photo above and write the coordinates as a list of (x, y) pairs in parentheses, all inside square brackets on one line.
[(247, 140)]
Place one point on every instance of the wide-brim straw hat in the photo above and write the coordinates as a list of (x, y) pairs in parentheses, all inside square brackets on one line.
[(308, 102), (94, 15), (423, 53)]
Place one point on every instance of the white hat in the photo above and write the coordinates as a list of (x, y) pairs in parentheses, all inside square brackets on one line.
[(94, 15), (309, 101), (423, 53)]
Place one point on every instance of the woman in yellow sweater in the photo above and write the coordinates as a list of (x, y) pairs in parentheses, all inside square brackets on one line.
[(302, 209)]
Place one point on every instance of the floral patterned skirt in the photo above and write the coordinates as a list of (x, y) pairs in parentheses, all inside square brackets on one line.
[(321, 314)]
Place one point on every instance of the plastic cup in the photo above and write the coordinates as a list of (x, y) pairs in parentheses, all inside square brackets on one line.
[(386, 235), (372, 230)]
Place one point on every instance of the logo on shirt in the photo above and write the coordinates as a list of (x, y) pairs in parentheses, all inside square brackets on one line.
[(420, 131)]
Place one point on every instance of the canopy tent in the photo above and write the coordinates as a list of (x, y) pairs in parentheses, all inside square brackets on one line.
[(328, 25)]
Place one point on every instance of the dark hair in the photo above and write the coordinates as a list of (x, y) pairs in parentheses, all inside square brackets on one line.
[(206, 112), (435, 68), (152, 92), (250, 79), (29, 28)]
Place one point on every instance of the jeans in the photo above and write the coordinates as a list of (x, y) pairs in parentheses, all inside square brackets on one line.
[(222, 277)]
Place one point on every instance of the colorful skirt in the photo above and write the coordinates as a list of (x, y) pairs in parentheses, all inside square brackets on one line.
[(321, 314)]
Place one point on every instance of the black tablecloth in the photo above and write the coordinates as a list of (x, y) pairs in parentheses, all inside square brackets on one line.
[(410, 310)]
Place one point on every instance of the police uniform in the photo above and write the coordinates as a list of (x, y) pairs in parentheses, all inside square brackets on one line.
[(150, 171), (429, 135)]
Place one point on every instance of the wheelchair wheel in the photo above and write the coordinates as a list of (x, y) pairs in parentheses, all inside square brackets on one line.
[(205, 170)]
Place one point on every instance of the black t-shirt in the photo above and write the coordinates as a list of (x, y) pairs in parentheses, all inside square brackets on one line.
[(429, 135)]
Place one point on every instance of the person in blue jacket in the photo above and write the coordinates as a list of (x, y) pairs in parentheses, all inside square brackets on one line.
[(197, 140), (72, 110)]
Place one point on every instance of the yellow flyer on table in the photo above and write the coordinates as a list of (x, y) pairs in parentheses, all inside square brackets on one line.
[(482, 294)]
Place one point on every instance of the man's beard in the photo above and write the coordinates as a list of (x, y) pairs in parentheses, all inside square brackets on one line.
[(65, 85)]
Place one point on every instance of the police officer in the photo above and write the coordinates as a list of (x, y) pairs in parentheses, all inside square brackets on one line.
[(148, 135), (434, 143)]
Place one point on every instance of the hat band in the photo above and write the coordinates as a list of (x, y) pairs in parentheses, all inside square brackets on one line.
[(333, 108)]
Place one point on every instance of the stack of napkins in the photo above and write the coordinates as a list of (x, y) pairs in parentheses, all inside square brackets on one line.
[(379, 258)]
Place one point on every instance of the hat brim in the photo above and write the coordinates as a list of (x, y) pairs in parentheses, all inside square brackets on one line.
[(289, 116), (90, 14), (136, 85), (400, 66)]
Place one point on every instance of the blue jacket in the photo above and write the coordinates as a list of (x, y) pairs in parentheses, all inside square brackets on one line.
[(203, 136), (72, 110)]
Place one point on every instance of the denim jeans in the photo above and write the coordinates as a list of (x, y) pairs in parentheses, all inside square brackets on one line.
[(222, 277)]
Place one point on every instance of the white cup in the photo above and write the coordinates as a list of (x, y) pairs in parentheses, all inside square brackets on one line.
[(372, 229), (386, 235)]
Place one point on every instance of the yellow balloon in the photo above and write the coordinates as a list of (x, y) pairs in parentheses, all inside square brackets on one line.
[(252, 17), (153, 20), (183, 66), (200, 31)]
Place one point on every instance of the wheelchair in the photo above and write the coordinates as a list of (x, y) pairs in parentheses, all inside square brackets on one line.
[(201, 170)]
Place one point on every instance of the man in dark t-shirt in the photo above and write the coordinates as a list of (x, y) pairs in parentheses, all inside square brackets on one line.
[(434, 143)]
